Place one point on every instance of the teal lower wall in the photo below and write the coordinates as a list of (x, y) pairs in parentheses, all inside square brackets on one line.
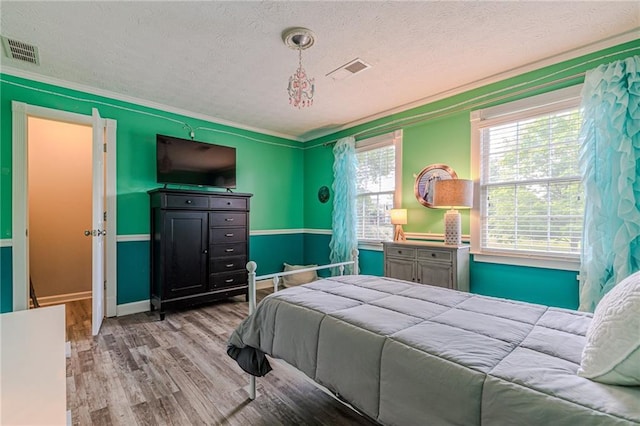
[(316, 251), (535, 285), (371, 262), (550, 287), (133, 271), (271, 251), (6, 280)]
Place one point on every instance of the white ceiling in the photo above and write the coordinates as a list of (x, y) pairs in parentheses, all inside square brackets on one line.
[(226, 60)]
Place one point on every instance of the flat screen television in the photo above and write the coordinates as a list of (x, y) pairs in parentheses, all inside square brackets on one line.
[(184, 161)]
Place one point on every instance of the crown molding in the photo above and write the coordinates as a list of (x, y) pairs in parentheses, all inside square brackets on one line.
[(15, 72)]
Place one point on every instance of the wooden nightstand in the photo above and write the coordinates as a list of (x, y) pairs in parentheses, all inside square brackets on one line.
[(428, 263)]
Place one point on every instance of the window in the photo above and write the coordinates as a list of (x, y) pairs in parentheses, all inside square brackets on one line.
[(377, 186), (531, 202)]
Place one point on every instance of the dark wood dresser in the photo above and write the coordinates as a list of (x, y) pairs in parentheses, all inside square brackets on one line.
[(199, 247)]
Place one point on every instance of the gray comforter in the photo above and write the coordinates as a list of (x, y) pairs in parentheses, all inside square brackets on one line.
[(409, 354)]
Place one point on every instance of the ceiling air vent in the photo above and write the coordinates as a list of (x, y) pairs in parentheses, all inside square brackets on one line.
[(21, 51), (350, 68)]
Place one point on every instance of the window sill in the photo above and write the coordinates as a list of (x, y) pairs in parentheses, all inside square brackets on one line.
[(565, 264), (370, 245)]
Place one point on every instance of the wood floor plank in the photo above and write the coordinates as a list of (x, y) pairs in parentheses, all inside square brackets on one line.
[(101, 417), (142, 371)]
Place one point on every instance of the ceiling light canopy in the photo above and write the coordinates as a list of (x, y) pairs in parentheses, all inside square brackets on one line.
[(301, 88)]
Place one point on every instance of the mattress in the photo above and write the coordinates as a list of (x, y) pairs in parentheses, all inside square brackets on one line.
[(406, 354)]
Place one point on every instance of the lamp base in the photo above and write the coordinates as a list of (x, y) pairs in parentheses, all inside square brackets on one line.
[(398, 235), (452, 228)]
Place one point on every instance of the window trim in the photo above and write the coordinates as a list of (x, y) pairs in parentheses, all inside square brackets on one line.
[(380, 141), (508, 112)]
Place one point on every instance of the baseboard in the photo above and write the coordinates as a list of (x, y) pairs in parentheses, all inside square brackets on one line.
[(132, 308), (63, 298), (264, 284)]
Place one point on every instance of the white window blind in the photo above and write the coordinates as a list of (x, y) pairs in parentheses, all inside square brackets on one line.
[(531, 196), (376, 186)]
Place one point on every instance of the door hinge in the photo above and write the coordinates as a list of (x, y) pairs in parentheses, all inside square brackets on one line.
[(105, 216), (105, 147)]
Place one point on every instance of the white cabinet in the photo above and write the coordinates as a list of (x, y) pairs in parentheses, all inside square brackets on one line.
[(33, 369), (428, 263)]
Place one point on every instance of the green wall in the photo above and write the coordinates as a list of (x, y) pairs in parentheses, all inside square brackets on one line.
[(262, 159), (285, 176), (269, 167)]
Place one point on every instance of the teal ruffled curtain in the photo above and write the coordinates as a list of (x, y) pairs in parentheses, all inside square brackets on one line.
[(610, 167), (344, 239)]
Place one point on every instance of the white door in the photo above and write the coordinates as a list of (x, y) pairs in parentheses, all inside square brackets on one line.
[(97, 247)]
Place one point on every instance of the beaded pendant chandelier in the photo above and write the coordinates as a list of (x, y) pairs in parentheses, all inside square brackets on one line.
[(301, 88)]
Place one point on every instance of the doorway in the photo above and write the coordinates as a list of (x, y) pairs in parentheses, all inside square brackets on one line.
[(103, 215), (59, 191)]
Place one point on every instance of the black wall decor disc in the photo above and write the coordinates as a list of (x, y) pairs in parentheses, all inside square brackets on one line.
[(323, 194)]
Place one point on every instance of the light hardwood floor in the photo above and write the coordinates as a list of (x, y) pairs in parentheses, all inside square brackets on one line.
[(140, 370)]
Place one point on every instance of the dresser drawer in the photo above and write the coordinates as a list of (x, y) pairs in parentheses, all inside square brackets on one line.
[(231, 249), (230, 203), (439, 255), (227, 235), (231, 279), (228, 264), (221, 219), (407, 252), (186, 202)]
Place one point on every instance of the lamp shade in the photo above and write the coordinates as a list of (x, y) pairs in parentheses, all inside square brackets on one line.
[(453, 193), (398, 216)]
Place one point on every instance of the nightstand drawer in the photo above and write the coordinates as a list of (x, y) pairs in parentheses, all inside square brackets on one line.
[(439, 255), (400, 252)]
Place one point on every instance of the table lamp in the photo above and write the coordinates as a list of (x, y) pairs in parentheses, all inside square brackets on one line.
[(398, 218), (453, 194)]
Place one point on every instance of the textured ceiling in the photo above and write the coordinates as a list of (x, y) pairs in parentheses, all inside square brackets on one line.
[(227, 60)]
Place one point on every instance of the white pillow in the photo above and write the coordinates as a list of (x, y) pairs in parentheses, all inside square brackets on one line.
[(612, 353), (301, 278)]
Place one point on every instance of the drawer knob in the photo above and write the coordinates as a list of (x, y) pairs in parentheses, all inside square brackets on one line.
[(228, 219), (229, 265), (230, 280), (229, 250), (433, 255), (228, 235), (399, 251), (188, 201), (228, 203)]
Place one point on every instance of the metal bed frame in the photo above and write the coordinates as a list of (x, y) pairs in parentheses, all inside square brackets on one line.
[(252, 267)]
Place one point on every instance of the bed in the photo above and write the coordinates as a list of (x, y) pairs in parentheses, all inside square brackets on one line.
[(404, 353)]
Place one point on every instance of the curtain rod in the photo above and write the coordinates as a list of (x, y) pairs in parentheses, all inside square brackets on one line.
[(459, 107)]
